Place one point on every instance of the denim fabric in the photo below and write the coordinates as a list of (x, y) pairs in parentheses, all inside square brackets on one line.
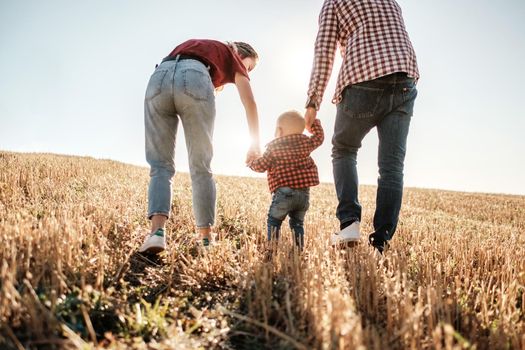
[(386, 103), (180, 90), (291, 202)]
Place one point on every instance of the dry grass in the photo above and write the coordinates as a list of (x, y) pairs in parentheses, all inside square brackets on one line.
[(454, 276)]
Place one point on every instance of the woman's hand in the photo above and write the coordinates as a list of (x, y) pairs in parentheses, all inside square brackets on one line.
[(253, 153)]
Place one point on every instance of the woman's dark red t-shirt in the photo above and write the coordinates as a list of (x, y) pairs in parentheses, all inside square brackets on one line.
[(223, 61)]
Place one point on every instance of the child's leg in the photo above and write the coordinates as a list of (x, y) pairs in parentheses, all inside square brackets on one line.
[(297, 227), (301, 204), (281, 202), (274, 228)]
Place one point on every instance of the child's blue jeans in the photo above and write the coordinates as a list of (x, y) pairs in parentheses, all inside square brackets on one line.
[(294, 203)]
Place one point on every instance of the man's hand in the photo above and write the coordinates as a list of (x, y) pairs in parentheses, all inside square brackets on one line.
[(253, 153), (309, 117)]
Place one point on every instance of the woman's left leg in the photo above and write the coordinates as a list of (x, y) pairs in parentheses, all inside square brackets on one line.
[(198, 132), (198, 121)]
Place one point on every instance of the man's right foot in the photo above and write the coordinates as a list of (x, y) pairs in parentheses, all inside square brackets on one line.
[(154, 243), (349, 234), (378, 241)]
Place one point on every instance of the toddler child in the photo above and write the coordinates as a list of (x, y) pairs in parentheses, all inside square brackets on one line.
[(291, 172)]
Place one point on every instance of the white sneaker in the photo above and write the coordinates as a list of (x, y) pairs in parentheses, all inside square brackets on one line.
[(210, 241), (346, 235), (154, 244)]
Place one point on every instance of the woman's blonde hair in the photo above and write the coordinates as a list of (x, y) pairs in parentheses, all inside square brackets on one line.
[(243, 49)]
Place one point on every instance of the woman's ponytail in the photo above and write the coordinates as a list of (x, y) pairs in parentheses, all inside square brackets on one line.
[(243, 49)]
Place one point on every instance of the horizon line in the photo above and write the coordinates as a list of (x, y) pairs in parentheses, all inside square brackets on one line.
[(256, 175)]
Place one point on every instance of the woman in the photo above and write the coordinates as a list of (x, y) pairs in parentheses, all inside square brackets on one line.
[(182, 88)]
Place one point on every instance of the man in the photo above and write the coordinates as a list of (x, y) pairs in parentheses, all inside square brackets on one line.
[(375, 88)]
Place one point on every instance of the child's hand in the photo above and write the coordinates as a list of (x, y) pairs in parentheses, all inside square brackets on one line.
[(253, 153), (309, 117)]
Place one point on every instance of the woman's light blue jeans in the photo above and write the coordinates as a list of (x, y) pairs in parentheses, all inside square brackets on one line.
[(180, 90)]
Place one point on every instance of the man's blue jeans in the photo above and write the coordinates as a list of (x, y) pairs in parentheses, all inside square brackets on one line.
[(386, 103), (180, 91)]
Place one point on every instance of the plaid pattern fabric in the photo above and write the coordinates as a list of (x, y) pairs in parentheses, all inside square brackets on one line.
[(372, 39), (287, 160)]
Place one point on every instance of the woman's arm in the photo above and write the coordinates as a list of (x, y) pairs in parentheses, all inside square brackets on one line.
[(248, 101)]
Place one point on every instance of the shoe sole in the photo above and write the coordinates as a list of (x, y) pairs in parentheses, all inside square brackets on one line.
[(346, 244), (152, 250), (345, 241)]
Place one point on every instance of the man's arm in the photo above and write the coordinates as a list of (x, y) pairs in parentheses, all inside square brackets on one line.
[(325, 48), (262, 163)]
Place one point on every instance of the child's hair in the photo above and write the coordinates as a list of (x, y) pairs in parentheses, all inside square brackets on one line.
[(243, 49), (293, 121)]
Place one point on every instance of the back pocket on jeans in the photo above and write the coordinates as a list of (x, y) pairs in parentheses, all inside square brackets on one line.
[(409, 91), (155, 83), (197, 84), (362, 101), (408, 95)]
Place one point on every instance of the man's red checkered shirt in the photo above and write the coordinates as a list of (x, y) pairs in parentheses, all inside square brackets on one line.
[(373, 41), (287, 160)]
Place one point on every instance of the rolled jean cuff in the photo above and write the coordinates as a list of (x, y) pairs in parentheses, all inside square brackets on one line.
[(167, 215), (351, 218), (204, 226)]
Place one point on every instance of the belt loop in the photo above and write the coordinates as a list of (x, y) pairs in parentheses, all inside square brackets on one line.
[(168, 58), (176, 61)]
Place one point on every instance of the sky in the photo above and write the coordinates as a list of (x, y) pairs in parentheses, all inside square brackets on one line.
[(73, 76)]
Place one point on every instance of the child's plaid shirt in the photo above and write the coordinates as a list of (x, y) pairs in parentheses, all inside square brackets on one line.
[(288, 162)]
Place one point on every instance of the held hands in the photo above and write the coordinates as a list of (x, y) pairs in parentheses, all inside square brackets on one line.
[(253, 153), (309, 118)]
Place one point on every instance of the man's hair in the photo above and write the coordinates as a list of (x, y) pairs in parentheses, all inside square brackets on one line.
[(293, 121), (244, 50)]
